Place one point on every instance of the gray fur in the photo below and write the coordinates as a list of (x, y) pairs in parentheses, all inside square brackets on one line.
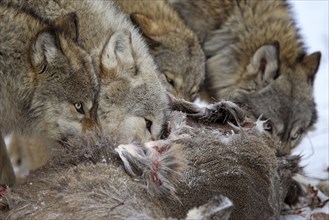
[(86, 179), (28, 152), (255, 56), (174, 47), (44, 73), (131, 93), (7, 175), (132, 104)]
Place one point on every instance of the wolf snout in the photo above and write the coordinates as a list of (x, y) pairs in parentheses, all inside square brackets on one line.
[(89, 124)]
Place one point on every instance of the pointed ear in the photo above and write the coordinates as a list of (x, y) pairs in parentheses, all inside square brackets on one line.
[(45, 50), (69, 25), (148, 27), (266, 62), (146, 24), (311, 64), (117, 53)]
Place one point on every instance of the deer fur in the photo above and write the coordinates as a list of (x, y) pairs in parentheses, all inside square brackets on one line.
[(201, 161)]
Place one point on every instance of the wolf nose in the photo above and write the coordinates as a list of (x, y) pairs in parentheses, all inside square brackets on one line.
[(89, 124)]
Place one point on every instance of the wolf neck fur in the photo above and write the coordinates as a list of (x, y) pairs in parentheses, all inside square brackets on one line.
[(241, 35)]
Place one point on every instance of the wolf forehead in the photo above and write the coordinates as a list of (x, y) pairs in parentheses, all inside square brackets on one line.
[(146, 98), (76, 86), (82, 85)]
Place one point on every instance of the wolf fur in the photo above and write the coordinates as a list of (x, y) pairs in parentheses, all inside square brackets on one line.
[(48, 83), (28, 153), (132, 102), (203, 16), (255, 56), (174, 47), (86, 179), (7, 175)]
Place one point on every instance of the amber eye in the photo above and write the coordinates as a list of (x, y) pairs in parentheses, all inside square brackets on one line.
[(268, 127), (148, 124), (296, 135), (79, 107), (170, 81)]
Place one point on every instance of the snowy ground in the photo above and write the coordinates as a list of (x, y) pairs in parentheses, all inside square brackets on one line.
[(312, 19)]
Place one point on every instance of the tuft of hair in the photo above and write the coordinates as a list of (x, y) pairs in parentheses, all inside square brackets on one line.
[(219, 112), (160, 164), (224, 111)]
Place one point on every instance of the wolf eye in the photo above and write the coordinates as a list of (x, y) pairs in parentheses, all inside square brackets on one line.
[(170, 81), (169, 78), (79, 107), (193, 95), (43, 68), (194, 92), (268, 127), (296, 135), (148, 124)]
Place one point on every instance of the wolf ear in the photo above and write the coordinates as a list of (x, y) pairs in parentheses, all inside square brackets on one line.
[(146, 24), (266, 62), (311, 64), (117, 53), (45, 50), (69, 25), (149, 28)]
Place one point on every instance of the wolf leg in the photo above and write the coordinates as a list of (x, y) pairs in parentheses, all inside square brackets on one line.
[(7, 175)]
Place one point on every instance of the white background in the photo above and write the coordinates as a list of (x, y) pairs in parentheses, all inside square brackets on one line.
[(312, 19)]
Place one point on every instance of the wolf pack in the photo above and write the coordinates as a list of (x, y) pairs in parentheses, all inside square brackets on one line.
[(100, 115)]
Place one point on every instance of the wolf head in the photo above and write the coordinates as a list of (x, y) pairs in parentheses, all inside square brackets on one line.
[(177, 53), (132, 103), (281, 94), (65, 83)]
